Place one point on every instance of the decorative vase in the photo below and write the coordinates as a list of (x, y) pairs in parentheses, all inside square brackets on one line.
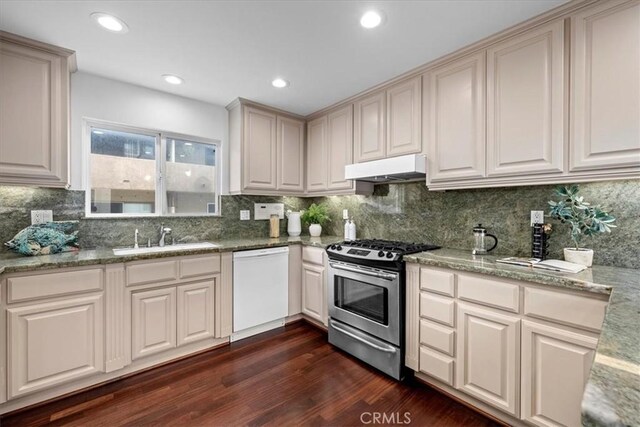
[(293, 224), (580, 256), (315, 230)]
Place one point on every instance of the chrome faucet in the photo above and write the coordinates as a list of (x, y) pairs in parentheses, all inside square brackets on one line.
[(163, 232), (135, 242)]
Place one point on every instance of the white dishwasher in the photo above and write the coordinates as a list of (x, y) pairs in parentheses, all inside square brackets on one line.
[(260, 291)]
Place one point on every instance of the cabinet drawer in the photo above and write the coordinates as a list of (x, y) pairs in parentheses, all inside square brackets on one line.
[(313, 255), (199, 266), (437, 365), (490, 292), (440, 282), (437, 337), (53, 284), (152, 272), (440, 309), (569, 309)]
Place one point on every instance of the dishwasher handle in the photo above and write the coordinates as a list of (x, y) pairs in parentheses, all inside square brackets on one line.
[(261, 252)]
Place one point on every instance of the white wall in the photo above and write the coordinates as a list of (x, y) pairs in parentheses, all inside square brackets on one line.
[(95, 97)]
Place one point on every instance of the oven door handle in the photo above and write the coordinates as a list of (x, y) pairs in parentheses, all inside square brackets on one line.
[(389, 349), (380, 275)]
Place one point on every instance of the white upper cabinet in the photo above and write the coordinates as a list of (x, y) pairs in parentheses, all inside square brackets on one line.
[(370, 128), (259, 149), (34, 112), (525, 103), (317, 154), (404, 115), (605, 87), (454, 122), (388, 123), (290, 149), (266, 150), (339, 147)]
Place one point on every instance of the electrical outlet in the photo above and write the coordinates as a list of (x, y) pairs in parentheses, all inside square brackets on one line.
[(345, 213), (39, 217), (245, 215), (537, 217)]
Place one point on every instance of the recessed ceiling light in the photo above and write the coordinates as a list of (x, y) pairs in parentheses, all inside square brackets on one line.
[(174, 80), (371, 19), (280, 83), (110, 22)]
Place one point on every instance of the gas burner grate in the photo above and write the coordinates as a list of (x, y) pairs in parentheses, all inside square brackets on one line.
[(390, 245)]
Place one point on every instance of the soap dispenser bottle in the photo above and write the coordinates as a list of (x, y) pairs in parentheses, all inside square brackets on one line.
[(352, 230), (347, 235)]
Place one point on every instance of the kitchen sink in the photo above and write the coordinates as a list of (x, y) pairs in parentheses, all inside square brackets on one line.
[(168, 248)]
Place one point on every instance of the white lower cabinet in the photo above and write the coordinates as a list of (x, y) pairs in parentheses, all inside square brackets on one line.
[(313, 277), (489, 356), (555, 369), (54, 342), (153, 321), (169, 317), (520, 351), (195, 312)]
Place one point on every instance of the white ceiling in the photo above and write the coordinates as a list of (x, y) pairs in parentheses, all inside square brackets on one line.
[(226, 49)]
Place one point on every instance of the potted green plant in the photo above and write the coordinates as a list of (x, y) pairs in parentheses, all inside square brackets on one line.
[(315, 216), (584, 220)]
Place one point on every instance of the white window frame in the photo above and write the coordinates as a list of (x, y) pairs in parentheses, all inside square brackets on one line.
[(161, 155)]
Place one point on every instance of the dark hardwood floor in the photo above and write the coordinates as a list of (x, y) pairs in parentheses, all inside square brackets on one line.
[(287, 377)]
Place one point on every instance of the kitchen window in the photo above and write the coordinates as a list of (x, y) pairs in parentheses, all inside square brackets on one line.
[(138, 172)]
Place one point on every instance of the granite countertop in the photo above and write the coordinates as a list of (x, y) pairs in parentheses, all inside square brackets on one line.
[(13, 263), (612, 395)]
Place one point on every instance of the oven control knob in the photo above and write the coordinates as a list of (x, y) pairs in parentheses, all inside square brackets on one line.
[(333, 247), (389, 254), (381, 254), (339, 247)]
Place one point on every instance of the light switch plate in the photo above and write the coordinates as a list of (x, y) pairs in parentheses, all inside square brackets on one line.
[(345, 213), (40, 217), (537, 217), (265, 210), (245, 215)]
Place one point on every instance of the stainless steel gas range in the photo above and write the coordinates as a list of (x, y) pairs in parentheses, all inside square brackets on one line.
[(366, 300)]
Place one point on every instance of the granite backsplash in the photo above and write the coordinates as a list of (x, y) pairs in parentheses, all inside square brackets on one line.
[(405, 211), (17, 202), (410, 212)]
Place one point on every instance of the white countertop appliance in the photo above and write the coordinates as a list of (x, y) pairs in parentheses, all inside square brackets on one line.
[(260, 291)]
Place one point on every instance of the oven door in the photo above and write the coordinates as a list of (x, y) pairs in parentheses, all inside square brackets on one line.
[(366, 298)]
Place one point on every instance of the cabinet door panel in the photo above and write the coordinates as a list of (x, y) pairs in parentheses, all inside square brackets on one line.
[(555, 369), (454, 121), (404, 116), (525, 103), (195, 313), (340, 146), (370, 128), (259, 149), (605, 86), (488, 356), (53, 343), (33, 107), (153, 321), (317, 154), (290, 168), (313, 291)]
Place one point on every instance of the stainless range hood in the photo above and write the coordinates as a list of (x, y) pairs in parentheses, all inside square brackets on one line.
[(401, 168)]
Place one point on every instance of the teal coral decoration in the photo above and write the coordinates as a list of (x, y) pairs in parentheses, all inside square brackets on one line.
[(45, 239)]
